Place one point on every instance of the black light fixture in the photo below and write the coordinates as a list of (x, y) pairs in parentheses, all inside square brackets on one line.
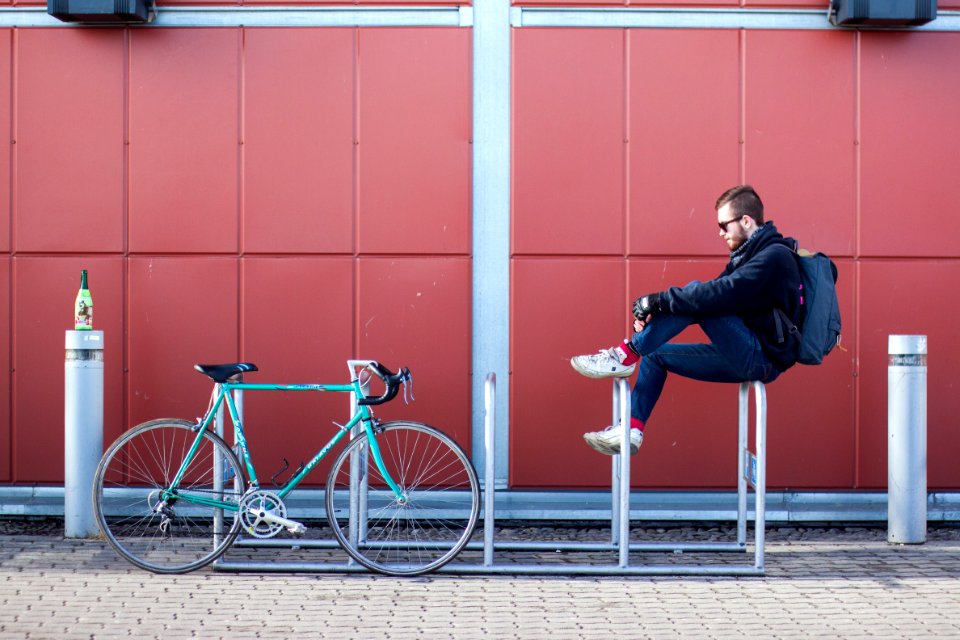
[(103, 11), (882, 13)]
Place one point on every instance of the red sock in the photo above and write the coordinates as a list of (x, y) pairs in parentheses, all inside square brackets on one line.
[(629, 356), (636, 423)]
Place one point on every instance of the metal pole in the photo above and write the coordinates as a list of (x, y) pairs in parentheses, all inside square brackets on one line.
[(907, 440), (615, 472), (83, 429), (489, 422), (743, 462), (624, 474), (760, 512)]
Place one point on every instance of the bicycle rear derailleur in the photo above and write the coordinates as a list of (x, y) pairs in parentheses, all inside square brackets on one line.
[(263, 515)]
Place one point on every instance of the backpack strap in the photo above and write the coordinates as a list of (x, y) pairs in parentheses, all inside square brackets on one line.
[(780, 317), (781, 320)]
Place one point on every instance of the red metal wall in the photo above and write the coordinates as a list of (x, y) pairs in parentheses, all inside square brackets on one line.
[(291, 197), (295, 197), (622, 141)]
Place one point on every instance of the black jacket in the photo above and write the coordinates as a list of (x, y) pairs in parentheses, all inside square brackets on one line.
[(765, 278)]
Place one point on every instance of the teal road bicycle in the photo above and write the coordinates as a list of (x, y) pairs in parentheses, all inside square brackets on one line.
[(402, 498)]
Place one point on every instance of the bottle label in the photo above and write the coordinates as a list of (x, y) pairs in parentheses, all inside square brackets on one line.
[(83, 312)]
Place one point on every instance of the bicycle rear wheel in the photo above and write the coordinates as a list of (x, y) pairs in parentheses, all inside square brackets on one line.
[(416, 534), (172, 535)]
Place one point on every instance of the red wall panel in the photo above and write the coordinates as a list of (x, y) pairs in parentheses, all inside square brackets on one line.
[(568, 134), (684, 131), (298, 140), (44, 289), (183, 311), (5, 108), (70, 103), (909, 138), (414, 124), (183, 140), (297, 327), (800, 117), (6, 441), (551, 405), (415, 312), (928, 285)]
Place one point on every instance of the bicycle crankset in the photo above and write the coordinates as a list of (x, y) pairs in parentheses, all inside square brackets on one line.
[(263, 515)]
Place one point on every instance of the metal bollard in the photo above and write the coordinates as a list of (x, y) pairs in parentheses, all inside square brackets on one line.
[(83, 429), (907, 440)]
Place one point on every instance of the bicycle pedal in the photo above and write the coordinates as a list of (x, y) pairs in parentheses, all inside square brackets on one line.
[(298, 529)]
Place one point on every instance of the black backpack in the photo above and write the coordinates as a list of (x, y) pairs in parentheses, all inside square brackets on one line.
[(819, 308)]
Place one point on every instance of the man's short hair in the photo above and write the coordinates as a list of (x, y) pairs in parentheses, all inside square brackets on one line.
[(744, 201)]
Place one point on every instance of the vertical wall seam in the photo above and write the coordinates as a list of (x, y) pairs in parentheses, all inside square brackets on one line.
[(241, 192), (8, 441), (125, 404), (857, 281), (14, 78), (355, 204), (742, 125), (14, 122), (627, 141)]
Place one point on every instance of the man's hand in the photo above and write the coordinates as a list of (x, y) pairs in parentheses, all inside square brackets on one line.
[(646, 306)]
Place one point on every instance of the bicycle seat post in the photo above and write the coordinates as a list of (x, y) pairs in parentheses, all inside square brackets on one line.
[(217, 470)]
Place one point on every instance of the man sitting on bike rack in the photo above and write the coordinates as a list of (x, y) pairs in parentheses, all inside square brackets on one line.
[(737, 311)]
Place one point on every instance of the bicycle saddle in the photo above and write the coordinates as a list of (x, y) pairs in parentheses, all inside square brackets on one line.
[(223, 372)]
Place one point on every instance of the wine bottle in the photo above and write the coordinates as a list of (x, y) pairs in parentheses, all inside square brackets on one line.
[(83, 307)]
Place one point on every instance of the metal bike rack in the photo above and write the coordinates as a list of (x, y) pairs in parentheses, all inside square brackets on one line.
[(751, 472)]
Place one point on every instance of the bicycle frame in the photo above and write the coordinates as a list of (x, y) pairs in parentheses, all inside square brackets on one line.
[(224, 396)]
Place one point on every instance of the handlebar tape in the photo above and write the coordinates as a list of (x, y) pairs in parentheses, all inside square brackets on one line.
[(391, 380)]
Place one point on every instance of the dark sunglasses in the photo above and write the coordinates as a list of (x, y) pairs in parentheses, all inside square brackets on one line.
[(723, 225)]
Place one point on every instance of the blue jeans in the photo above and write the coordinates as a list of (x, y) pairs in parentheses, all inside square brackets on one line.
[(733, 355)]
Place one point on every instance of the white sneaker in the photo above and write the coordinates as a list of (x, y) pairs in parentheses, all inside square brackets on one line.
[(608, 440), (605, 364)]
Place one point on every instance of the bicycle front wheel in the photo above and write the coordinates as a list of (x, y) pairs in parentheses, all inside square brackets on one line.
[(432, 520), (152, 526)]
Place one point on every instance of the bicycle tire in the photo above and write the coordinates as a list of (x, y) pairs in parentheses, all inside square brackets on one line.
[(133, 472), (435, 522)]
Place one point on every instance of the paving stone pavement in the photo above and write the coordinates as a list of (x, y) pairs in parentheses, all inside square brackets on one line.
[(821, 582)]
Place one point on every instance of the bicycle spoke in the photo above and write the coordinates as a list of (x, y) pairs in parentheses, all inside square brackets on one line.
[(174, 534), (438, 511)]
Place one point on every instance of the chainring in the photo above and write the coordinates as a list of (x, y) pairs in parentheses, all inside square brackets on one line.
[(254, 505)]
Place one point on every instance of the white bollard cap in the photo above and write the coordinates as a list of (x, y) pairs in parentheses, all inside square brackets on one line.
[(907, 345)]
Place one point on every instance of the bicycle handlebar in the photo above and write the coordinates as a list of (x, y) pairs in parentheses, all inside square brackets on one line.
[(390, 379)]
